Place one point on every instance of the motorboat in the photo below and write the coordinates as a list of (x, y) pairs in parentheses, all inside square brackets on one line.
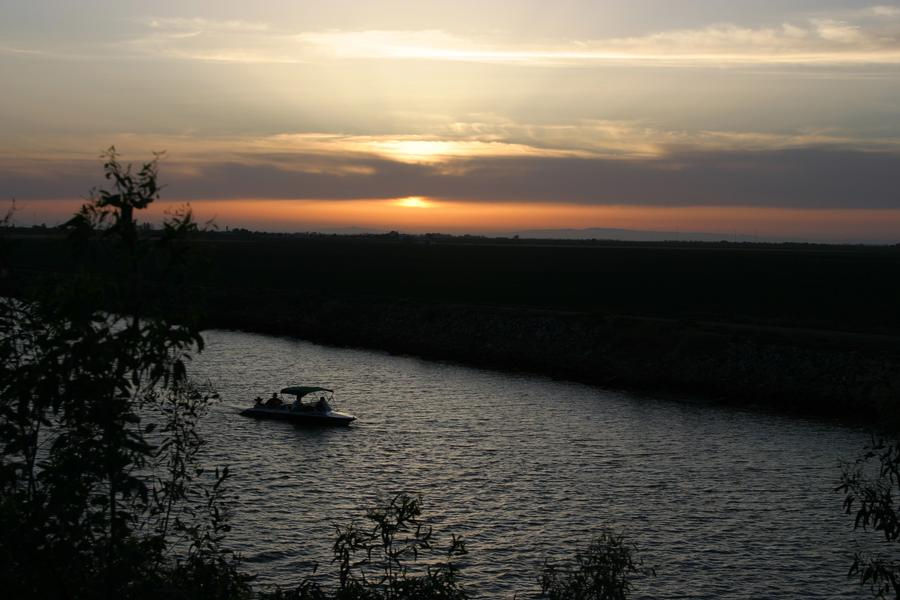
[(318, 412)]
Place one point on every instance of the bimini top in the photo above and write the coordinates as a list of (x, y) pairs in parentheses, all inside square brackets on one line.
[(302, 390)]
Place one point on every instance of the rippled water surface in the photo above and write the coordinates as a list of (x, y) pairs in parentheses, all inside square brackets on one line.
[(723, 503)]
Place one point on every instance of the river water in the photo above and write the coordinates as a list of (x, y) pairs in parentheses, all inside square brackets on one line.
[(723, 503)]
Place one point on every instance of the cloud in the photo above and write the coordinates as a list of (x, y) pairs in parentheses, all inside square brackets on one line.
[(229, 41), (21, 51), (634, 139), (450, 144), (187, 27), (792, 178), (797, 178), (882, 11), (492, 158), (870, 36), (862, 37)]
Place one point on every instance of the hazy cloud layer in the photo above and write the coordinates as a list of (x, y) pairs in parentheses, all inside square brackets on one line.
[(866, 36), (799, 178)]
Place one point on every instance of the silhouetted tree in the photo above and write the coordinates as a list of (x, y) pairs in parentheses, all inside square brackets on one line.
[(102, 494)]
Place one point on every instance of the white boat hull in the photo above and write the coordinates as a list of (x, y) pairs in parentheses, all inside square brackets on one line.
[(311, 417)]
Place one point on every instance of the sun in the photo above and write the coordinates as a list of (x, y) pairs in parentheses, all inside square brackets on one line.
[(413, 202)]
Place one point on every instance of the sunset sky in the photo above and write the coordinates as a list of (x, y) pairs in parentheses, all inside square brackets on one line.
[(770, 118)]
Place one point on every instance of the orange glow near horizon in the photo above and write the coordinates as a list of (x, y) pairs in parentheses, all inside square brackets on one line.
[(417, 214)]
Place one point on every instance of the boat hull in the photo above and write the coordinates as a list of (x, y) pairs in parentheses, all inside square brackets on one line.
[(305, 418)]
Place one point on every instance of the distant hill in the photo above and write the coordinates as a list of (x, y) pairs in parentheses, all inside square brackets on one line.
[(633, 235)]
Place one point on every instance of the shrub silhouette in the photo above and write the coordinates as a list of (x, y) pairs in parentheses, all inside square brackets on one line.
[(604, 571), (395, 555)]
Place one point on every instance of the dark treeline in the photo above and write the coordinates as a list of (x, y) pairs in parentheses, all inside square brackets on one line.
[(809, 328), (839, 288)]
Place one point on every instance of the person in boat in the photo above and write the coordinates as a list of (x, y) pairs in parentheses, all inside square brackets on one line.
[(274, 401), (257, 401), (322, 405)]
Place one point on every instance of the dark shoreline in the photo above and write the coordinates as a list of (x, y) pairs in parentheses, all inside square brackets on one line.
[(801, 329), (850, 377)]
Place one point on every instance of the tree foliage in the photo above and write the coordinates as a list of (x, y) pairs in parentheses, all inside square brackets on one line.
[(606, 570), (871, 488), (102, 490), (394, 555)]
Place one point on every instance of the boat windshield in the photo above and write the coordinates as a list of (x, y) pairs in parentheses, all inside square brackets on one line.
[(302, 390)]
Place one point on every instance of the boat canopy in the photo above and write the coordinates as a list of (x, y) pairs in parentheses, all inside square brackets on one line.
[(302, 390)]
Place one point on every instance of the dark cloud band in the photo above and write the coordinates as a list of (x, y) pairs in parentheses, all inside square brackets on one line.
[(797, 178)]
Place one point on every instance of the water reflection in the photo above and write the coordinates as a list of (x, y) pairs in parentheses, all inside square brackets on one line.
[(723, 503)]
